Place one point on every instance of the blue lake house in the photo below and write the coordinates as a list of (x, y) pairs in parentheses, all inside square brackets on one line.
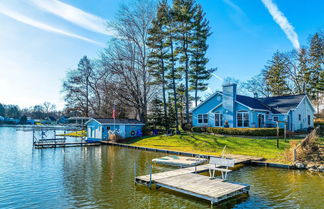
[(228, 109), (98, 129)]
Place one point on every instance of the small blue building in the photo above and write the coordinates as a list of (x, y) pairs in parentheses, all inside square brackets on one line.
[(228, 109), (98, 128)]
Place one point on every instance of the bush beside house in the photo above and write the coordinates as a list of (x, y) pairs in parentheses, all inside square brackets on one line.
[(240, 131)]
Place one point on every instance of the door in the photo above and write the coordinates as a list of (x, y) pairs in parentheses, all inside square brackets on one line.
[(261, 120)]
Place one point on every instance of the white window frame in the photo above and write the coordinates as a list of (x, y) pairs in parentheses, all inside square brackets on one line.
[(204, 117), (243, 120), (220, 119)]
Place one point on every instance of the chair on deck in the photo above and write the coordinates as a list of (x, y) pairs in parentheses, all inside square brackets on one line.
[(215, 164)]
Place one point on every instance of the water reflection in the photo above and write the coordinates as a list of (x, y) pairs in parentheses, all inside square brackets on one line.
[(102, 177)]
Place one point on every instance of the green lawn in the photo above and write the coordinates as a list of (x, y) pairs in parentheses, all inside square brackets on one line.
[(210, 144)]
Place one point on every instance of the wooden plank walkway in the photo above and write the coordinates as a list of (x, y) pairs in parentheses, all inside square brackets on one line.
[(64, 144), (201, 186), (188, 181)]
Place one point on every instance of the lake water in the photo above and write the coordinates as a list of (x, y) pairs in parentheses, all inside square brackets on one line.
[(102, 177)]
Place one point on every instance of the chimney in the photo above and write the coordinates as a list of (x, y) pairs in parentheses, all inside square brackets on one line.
[(256, 95), (229, 97)]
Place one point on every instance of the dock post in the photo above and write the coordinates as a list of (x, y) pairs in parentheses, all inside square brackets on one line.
[(150, 176), (135, 172), (33, 136)]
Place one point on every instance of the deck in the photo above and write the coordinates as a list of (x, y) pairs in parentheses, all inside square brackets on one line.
[(64, 144), (202, 187), (188, 181)]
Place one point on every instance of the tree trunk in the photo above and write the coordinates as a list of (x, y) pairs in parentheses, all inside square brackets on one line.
[(163, 90), (174, 86), (187, 79)]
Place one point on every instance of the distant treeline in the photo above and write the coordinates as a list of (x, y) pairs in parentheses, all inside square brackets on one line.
[(41, 111)]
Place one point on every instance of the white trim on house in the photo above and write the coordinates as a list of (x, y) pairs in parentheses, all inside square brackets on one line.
[(220, 119), (250, 108), (211, 111), (202, 118), (209, 98), (243, 111)]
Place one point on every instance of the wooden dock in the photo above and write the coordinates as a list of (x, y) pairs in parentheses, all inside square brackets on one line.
[(188, 181), (64, 144), (202, 187)]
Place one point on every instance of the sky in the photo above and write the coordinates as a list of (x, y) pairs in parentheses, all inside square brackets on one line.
[(40, 40)]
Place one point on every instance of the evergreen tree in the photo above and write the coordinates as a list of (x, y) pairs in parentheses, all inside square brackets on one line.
[(173, 75), (181, 91), (157, 117), (320, 85), (2, 110), (198, 73), (184, 11), (316, 56), (304, 72), (172, 116), (159, 49), (275, 75)]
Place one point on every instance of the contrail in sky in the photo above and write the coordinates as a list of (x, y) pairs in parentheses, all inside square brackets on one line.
[(234, 6), (43, 26), (75, 15), (282, 21)]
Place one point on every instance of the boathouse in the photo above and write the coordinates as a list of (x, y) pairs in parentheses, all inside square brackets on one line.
[(229, 109), (98, 129)]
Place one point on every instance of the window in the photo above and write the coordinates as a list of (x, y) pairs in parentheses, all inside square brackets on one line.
[(275, 118), (218, 119), (108, 128), (308, 119), (299, 117), (202, 118), (242, 119)]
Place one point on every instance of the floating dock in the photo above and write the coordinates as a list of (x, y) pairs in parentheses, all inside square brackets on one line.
[(200, 186), (188, 181)]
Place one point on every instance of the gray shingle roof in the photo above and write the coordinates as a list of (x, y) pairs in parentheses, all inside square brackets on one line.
[(251, 102), (282, 104), (118, 121)]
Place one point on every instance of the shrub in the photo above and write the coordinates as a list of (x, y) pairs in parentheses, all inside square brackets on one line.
[(240, 131), (199, 129)]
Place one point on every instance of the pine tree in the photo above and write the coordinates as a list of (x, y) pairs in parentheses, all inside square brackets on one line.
[(184, 11), (304, 72), (198, 72), (172, 116), (181, 91), (275, 75), (316, 56), (157, 117), (173, 75), (158, 56)]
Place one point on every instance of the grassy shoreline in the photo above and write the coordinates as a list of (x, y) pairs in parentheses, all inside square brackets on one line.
[(213, 145)]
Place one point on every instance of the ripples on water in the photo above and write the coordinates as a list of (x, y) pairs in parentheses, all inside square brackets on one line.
[(102, 177)]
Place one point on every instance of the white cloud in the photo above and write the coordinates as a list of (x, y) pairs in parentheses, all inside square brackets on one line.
[(74, 15), (282, 21), (43, 26)]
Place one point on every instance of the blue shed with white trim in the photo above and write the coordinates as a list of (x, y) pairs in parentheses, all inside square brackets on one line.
[(98, 128)]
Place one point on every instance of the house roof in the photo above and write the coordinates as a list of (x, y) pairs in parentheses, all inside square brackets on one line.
[(118, 121), (251, 102), (277, 105), (283, 104)]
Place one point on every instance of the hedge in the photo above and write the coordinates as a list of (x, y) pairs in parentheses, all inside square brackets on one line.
[(240, 131)]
